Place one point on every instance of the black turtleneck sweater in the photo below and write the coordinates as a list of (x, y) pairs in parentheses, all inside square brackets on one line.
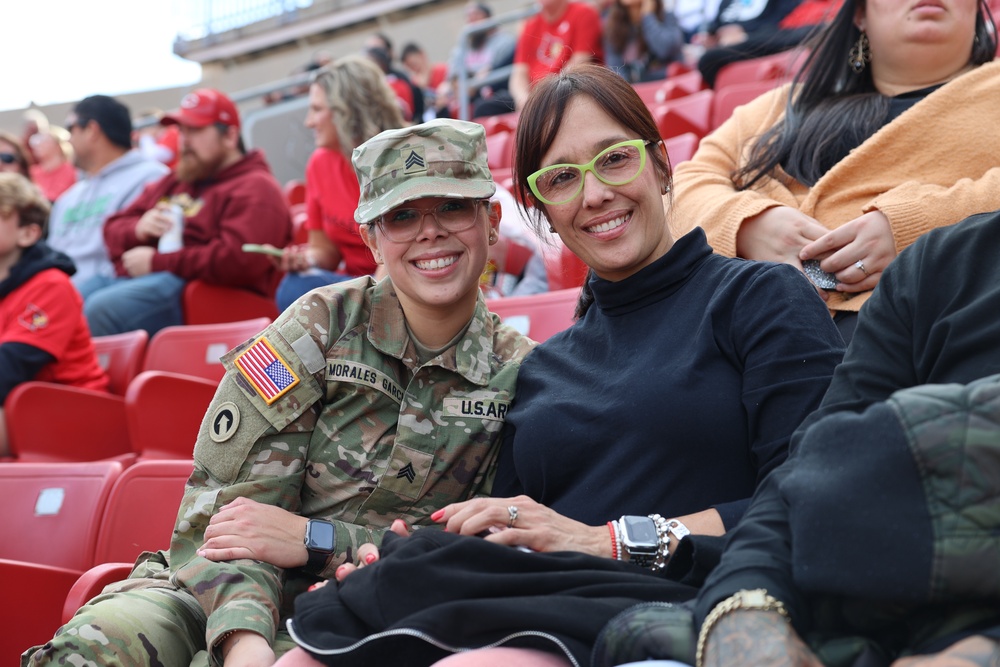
[(677, 391)]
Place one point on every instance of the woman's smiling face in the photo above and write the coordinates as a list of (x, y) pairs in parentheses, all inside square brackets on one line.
[(615, 229)]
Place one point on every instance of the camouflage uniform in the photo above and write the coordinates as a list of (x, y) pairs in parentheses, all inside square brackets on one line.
[(346, 425)]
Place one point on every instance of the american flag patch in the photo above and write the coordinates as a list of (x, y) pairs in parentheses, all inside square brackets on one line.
[(267, 372)]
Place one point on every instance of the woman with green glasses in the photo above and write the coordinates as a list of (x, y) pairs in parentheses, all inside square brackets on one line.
[(656, 414)]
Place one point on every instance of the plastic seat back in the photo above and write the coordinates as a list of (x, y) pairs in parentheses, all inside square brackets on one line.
[(164, 411), (52, 511), (195, 349), (778, 66), (730, 97), (204, 303), (500, 149), (538, 316), (121, 356), (681, 148), (86, 425), (141, 509), (691, 113)]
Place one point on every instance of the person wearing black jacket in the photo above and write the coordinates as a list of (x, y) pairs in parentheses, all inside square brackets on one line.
[(43, 334)]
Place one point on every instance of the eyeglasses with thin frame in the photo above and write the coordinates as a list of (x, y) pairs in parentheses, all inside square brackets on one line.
[(8, 158), (403, 224), (618, 164)]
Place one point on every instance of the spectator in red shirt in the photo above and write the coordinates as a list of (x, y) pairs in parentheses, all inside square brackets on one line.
[(349, 103), (43, 335), (563, 33), (222, 196)]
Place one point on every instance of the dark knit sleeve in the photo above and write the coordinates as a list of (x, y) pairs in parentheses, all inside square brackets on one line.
[(788, 347)]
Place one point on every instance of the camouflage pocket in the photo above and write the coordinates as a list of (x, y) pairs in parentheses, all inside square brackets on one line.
[(648, 631)]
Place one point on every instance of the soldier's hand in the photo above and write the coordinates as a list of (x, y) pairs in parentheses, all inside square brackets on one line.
[(368, 553), (247, 649), (248, 529)]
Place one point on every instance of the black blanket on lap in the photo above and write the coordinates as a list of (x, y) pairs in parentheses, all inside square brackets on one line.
[(436, 593)]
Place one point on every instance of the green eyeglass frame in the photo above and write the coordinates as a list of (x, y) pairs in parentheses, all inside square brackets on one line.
[(639, 144)]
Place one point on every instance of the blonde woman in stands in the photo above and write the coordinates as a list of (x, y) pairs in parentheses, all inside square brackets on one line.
[(349, 103), (890, 132), (54, 171)]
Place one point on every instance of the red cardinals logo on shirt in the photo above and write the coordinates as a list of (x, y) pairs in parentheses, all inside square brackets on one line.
[(33, 318)]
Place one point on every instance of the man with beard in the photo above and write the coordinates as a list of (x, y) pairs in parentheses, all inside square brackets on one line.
[(219, 198)]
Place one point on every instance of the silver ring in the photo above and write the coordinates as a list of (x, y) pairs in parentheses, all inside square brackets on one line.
[(861, 267), (511, 515)]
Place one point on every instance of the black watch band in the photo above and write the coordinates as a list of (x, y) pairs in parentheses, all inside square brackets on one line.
[(320, 541)]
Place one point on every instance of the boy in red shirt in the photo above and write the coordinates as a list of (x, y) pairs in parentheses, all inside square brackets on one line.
[(43, 335)]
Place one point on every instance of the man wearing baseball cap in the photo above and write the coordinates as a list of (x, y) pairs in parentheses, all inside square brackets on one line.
[(192, 224)]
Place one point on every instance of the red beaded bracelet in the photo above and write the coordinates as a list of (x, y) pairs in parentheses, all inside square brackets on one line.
[(614, 540)]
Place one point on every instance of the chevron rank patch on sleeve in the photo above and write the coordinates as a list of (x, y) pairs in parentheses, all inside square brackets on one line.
[(266, 371)]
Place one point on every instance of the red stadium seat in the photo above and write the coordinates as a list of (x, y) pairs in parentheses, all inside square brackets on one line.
[(691, 113), (778, 67), (52, 511), (163, 412), (295, 192), (737, 94), (194, 349), (35, 622), (538, 316), (563, 268), (49, 422), (121, 355), (500, 149), (681, 147), (141, 510), (204, 303)]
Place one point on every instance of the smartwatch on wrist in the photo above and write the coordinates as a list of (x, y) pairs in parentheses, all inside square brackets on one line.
[(321, 538), (640, 542)]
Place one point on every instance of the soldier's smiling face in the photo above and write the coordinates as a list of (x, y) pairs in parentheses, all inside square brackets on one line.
[(437, 269)]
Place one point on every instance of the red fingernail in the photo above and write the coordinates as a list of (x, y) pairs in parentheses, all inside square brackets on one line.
[(437, 515), (340, 571), (369, 559), (314, 586)]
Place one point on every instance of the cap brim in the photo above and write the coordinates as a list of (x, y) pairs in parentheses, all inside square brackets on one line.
[(421, 188), (180, 118)]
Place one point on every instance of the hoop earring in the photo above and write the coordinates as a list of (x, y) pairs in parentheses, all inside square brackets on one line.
[(860, 55)]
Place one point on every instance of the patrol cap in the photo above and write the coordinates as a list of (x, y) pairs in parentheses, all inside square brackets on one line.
[(439, 158)]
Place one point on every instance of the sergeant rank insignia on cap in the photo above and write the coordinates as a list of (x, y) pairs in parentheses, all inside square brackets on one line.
[(266, 371), (415, 162)]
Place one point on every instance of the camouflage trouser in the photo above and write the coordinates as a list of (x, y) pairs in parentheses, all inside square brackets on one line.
[(140, 627)]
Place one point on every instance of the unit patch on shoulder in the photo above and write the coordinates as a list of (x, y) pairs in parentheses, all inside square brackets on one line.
[(225, 420), (33, 318), (265, 370)]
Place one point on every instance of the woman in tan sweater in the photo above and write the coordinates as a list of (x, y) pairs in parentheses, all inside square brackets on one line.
[(890, 133)]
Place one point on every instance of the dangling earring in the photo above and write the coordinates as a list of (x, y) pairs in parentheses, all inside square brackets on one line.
[(860, 55)]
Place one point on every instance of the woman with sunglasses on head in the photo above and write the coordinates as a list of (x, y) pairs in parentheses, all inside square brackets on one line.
[(654, 415), (365, 402)]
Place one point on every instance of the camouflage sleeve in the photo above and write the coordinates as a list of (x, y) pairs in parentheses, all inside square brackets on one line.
[(253, 442)]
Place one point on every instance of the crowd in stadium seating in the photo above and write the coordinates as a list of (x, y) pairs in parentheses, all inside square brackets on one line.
[(850, 139)]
